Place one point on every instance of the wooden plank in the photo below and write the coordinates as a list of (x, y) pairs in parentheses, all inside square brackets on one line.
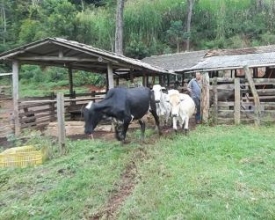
[(222, 79), (5, 74), (226, 104), (267, 92), (237, 107), (261, 97), (49, 110), (264, 80), (255, 95)]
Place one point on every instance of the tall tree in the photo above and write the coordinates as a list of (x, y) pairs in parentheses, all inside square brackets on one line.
[(119, 27), (188, 23)]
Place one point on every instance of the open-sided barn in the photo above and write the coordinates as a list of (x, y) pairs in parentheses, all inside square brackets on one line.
[(71, 55), (248, 74)]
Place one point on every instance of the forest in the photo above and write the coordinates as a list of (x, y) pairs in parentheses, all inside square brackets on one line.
[(150, 27)]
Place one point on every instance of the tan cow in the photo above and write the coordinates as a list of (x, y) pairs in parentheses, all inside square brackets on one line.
[(183, 107)]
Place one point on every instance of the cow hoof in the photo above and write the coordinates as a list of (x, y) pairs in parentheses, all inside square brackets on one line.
[(185, 131)]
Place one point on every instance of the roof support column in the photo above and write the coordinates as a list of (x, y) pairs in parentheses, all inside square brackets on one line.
[(71, 85), (131, 76), (110, 76), (15, 95), (144, 79)]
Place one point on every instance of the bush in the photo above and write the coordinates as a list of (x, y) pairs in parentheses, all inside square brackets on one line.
[(83, 78)]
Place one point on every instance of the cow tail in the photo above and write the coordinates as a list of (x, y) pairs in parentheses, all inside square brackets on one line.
[(153, 110), (153, 105)]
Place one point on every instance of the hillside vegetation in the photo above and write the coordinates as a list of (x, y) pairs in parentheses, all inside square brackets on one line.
[(150, 27), (222, 172)]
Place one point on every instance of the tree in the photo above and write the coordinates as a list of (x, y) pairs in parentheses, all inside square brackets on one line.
[(119, 27), (188, 23), (175, 34)]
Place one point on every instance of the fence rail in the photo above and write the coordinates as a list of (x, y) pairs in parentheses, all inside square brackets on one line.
[(242, 107), (38, 112)]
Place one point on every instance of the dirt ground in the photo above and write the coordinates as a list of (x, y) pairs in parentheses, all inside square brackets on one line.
[(75, 131)]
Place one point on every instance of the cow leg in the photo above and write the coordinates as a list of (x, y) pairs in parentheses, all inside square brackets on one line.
[(142, 128), (153, 110), (185, 124), (126, 125), (175, 126), (167, 119), (156, 117)]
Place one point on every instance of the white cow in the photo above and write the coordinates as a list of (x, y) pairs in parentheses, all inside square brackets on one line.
[(163, 107), (183, 107)]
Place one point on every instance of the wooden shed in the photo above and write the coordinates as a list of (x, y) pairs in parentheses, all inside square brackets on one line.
[(247, 74), (73, 55)]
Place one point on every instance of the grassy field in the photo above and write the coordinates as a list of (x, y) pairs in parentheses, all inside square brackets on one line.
[(222, 172)]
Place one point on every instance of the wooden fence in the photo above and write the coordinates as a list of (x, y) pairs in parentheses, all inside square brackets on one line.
[(253, 101), (38, 112)]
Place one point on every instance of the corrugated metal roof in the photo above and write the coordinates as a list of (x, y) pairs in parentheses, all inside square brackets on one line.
[(215, 59), (235, 61), (177, 62), (55, 51)]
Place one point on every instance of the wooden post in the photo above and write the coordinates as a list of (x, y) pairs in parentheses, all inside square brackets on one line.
[(117, 81), (147, 80), (215, 103), (131, 76), (70, 81), (257, 110), (205, 98), (153, 79), (15, 95), (160, 79), (168, 81), (61, 122), (237, 108), (110, 76), (143, 79), (52, 108)]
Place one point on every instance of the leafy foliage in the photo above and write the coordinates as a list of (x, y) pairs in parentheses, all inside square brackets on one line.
[(150, 27)]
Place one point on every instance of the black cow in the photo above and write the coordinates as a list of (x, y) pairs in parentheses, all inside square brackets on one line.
[(124, 105)]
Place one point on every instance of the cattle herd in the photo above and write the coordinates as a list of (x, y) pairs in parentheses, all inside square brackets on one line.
[(127, 104)]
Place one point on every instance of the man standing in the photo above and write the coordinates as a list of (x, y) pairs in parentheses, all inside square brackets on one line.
[(194, 87)]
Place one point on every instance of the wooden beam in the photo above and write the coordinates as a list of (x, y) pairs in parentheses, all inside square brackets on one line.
[(60, 58), (15, 95), (5, 74), (257, 110), (237, 106)]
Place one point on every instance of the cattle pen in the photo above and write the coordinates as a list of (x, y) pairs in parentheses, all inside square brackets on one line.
[(244, 100)]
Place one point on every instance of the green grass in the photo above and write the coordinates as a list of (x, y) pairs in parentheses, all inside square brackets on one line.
[(222, 172), (47, 88)]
